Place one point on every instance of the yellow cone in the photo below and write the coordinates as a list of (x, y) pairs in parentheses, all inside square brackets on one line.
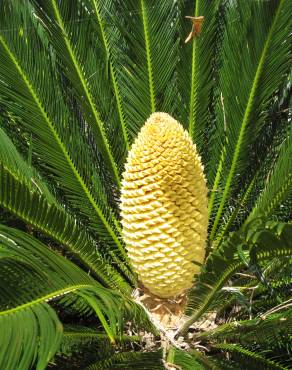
[(164, 207)]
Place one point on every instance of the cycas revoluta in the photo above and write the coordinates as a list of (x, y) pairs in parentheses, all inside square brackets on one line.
[(78, 81)]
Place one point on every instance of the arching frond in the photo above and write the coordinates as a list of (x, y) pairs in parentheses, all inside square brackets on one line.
[(102, 12), (278, 184), (86, 345), (131, 360), (23, 193), (79, 60), (262, 330), (10, 158), (192, 360), (24, 260), (148, 36), (248, 84), (76, 335), (28, 337), (250, 358), (197, 77), (252, 297), (260, 242), (57, 139)]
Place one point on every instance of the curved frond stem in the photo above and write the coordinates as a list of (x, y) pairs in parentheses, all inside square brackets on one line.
[(252, 356), (148, 54), (84, 332), (62, 147), (29, 337), (101, 317), (56, 276), (280, 307), (193, 96), (274, 240), (54, 222), (277, 185), (216, 183), (98, 129), (112, 73), (252, 329), (46, 298), (246, 118), (208, 299), (234, 213)]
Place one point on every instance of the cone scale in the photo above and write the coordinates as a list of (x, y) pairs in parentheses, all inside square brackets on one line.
[(164, 207)]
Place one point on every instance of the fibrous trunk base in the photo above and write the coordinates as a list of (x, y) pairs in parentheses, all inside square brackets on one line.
[(168, 312)]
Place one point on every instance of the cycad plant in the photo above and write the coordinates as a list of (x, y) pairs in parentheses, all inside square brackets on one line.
[(78, 81)]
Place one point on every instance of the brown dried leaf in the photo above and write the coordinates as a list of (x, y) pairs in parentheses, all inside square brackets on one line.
[(197, 23)]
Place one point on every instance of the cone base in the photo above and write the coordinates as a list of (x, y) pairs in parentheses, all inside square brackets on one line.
[(168, 312)]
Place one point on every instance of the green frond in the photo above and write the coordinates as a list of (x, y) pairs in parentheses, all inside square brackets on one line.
[(274, 191), (59, 145), (32, 207), (100, 9), (274, 136), (263, 64), (199, 76), (262, 330), (76, 338), (193, 360), (273, 241), (78, 334), (30, 336), (43, 264), (23, 193), (147, 78), (79, 65), (78, 79), (260, 242), (278, 280), (24, 260), (253, 297), (278, 184), (274, 332), (131, 360), (87, 345), (231, 216), (10, 158), (218, 268), (250, 358)]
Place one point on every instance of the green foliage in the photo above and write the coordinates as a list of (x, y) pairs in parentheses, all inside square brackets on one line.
[(271, 329), (250, 358), (263, 62), (191, 361), (87, 346), (260, 242), (26, 195), (31, 261), (131, 360), (78, 79)]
